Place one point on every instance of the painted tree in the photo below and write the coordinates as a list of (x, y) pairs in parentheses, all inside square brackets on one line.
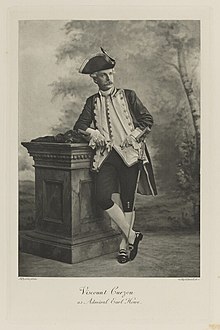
[(180, 47), (179, 41)]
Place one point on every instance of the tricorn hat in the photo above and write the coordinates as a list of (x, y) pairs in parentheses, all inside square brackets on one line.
[(97, 62)]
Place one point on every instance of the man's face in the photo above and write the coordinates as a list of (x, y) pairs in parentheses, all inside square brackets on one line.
[(104, 79)]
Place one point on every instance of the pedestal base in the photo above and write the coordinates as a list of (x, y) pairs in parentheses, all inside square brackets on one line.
[(67, 250)]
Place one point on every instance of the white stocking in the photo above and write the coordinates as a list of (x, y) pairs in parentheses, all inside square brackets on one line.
[(117, 215), (129, 216)]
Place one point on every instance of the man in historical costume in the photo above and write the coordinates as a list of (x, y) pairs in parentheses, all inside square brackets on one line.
[(117, 122)]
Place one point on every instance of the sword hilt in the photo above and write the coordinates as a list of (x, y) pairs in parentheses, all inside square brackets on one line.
[(142, 133)]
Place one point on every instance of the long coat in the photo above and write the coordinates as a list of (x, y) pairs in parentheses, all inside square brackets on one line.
[(141, 119)]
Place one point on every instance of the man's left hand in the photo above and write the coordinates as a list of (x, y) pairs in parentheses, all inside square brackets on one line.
[(130, 141)]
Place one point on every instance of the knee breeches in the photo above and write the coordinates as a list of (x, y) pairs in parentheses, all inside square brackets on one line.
[(113, 172)]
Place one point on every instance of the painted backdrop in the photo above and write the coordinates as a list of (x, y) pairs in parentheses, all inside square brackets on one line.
[(158, 59)]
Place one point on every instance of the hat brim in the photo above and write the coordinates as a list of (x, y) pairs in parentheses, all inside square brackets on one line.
[(97, 62)]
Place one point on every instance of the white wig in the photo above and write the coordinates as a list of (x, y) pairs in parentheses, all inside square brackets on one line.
[(95, 74)]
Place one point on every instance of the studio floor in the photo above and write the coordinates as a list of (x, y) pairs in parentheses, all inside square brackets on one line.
[(161, 254)]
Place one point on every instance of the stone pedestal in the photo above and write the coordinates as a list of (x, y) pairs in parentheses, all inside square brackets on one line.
[(69, 225)]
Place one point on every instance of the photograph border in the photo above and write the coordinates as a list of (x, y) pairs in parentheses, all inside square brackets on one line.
[(152, 292)]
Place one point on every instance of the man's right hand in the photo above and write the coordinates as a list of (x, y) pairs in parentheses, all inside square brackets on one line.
[(96, 138)]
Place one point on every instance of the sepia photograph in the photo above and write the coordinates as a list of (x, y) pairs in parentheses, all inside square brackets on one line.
[(109, 148), (110, 165)]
